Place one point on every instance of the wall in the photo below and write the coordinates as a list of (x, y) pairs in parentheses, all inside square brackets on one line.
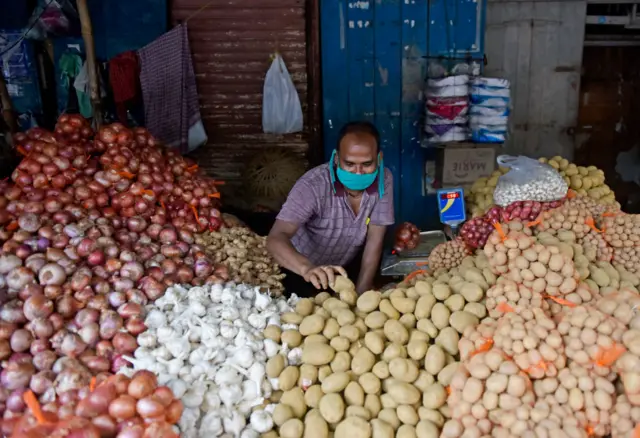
[(231, 41), (537, 45)]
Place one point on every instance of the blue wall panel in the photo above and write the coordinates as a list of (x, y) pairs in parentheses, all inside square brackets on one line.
[(375, 55)]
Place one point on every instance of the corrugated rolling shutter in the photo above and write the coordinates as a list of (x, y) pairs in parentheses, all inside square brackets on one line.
[(231, 41)]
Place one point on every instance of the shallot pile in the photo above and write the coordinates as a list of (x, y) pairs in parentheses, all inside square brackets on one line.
[(92, 230)]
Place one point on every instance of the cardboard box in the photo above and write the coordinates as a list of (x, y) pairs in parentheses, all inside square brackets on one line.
[(464, 164)]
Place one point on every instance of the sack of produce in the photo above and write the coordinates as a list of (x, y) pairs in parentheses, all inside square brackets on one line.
[(407, 237), (528, 180)]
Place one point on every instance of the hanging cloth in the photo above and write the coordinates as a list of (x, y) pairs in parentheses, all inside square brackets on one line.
[(123, 75), (81, 84), (169, 91), (70, 65)]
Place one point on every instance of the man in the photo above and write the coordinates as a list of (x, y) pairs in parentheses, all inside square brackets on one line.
[(333, 212)]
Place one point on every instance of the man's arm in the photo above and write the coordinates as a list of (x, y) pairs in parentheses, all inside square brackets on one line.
[(371, 257), (280, 247)]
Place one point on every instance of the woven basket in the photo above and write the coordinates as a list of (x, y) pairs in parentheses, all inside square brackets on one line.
[(271, 174)]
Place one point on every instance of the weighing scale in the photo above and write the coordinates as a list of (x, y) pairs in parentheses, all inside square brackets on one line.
[(452, 212)]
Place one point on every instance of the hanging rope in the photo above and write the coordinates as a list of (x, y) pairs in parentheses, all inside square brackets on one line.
[(202, 8)]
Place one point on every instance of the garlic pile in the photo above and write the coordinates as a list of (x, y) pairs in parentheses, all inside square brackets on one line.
[(206, 344)]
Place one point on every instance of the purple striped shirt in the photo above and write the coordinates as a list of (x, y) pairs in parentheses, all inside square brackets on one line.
[(330, 233)]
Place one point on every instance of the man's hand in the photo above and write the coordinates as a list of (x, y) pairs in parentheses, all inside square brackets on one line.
[(323, 276)]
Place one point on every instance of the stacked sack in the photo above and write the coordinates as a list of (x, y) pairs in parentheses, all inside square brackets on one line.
[(489, 109), (447, 109)]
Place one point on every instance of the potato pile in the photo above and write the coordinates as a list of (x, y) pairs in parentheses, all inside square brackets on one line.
[(586, 181), (245, 255), (378, 364), (622, 233)]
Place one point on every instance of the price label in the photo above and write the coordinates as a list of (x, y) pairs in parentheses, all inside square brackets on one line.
[(451, 206)]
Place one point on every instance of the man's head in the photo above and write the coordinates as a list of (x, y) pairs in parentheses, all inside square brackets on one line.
[(358, 147)]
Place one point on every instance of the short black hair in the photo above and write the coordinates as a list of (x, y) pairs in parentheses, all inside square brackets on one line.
[(358, 128)]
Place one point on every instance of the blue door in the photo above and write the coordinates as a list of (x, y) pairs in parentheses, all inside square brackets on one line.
[(374, 64)]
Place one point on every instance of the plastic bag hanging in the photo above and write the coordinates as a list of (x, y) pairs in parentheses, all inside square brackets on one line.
[(281, 109)]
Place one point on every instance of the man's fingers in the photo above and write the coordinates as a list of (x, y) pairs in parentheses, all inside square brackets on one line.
[(322, 275), (314, 280), (331, 276), (341, 271)]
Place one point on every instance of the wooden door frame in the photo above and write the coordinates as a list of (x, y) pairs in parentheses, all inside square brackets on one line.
[(314, 83)]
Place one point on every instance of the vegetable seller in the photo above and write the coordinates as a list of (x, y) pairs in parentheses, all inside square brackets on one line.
[(335, 212)]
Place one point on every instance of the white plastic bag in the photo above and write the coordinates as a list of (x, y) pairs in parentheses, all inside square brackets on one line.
[(528, 180), (281, 110)]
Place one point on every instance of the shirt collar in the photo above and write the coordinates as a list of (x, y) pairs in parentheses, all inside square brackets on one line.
[(340, 190)]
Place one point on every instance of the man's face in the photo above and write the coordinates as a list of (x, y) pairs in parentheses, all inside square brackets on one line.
[(357, 153)]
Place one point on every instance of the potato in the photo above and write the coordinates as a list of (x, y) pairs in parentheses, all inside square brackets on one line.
[(349, 296), (282, 413), (477, 309), (472, 292), (382, 429), (288, 378), (426, 326), (370, 383), (272, 332), (375, 320), (424, 380), (408, 320), (354, 394), (448, 339), (460, 320), (335, 382), (406, 431), (344, 317), (434, 397), (315, 426), (292, 338), (291, 318), (407, 415), (374, 342), (381, 370), (390, 311), (368, 301), (341, 362), (292, 428), (275, 365), (432, 415), (312, 396), (434, 360), (324, 372), (318, 354), (447, 373), (392, 351), (402, 392), (396, 332), (426, 429), (372, 403), (353, 427), (455, 302), (350, 332), (331, 407), (441, 291), (295, 399), (311, 325), (331, 328), (340, 344), (304, 306), (417, 349), (388, 415), (424, 305), (440, 316), (404, 370), (322, 297), (363, 361)]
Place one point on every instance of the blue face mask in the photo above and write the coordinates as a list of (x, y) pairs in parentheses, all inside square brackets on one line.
[(355, 181)]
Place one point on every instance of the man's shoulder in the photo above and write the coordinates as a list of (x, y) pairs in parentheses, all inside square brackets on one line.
[(317, 178)]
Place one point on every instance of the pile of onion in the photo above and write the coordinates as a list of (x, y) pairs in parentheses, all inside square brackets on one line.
[(527, 210), (118, 405), (75, 130)]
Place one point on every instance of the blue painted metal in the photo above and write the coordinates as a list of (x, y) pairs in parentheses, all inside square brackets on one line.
[(451, 206), (374, 62)]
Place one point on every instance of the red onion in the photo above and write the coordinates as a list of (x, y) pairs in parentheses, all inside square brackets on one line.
[(21, 340), (11, 312), (37, 306), (41, 328), (52, 274), (19, 278), (44, 360), (110, 324), (16, 375)]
